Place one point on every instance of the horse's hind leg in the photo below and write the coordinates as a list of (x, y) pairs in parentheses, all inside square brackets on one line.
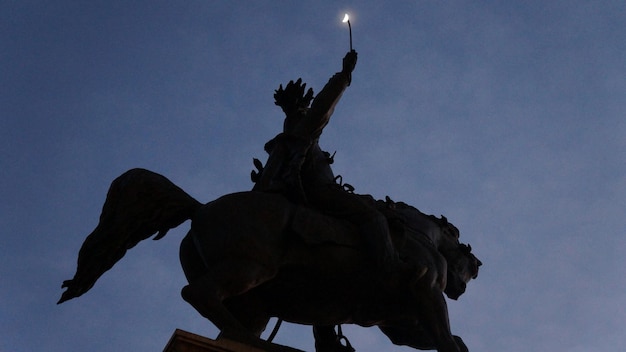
[(250, 311), (202, 292), (204, 296), (207, 292)]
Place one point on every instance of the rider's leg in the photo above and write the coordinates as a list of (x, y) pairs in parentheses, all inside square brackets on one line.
[(370, 222), (375, 231)]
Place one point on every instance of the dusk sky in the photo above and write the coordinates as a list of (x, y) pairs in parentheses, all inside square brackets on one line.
[(507, 117)]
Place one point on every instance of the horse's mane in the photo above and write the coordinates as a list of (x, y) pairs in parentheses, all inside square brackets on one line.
[(400, 205)]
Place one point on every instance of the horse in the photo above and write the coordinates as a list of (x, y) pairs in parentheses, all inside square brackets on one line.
[(250, 256)]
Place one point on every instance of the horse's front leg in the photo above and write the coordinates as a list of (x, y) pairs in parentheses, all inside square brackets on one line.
[(433, 316), (408, 333), (411, 333)]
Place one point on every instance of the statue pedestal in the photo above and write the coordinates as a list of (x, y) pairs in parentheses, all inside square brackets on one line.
[(183, 341)]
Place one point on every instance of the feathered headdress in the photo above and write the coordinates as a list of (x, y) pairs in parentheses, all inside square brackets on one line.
[(292, 97)]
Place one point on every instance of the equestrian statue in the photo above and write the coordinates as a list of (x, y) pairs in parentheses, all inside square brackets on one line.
[(301, 246)]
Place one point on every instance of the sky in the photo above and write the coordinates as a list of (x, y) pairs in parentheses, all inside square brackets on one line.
[(509, 118)]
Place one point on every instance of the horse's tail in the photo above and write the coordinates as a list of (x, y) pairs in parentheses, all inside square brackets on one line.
[(139, 204)]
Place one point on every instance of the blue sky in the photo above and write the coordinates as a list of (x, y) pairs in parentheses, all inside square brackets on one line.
[(507, 117)]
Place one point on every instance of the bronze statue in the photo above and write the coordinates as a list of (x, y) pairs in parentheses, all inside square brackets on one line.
[(283, 251)]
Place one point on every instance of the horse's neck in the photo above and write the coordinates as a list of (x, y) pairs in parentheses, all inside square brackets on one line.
[(423, 224)]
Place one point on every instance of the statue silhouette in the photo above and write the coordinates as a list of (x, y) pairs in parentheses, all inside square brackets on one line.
[(299, 246)]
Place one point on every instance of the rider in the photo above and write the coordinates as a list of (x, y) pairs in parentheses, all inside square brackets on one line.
[(298, 168)]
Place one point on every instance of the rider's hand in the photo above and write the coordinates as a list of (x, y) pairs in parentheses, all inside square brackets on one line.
[(349, 62)]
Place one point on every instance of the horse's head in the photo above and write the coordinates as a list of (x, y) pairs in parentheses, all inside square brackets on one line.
[(462, 264), (462, 267), (412, 224)]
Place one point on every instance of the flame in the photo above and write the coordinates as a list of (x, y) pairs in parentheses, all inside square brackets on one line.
[(346, 18)]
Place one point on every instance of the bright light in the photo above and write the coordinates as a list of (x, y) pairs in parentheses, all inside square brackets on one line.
[(346, 19)]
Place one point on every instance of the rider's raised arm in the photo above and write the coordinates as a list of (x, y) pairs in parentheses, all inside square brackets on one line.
[(324, 103)]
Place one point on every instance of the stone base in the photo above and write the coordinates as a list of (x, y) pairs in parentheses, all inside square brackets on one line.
[(183, 341)]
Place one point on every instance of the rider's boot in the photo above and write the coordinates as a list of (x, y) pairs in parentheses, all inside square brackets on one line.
[(377, 238)]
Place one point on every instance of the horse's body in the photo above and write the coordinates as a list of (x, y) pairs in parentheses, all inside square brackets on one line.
[(250, 256), (246, 259), (267, 256)]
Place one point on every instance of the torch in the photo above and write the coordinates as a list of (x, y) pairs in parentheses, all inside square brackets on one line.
[(346, 18)]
